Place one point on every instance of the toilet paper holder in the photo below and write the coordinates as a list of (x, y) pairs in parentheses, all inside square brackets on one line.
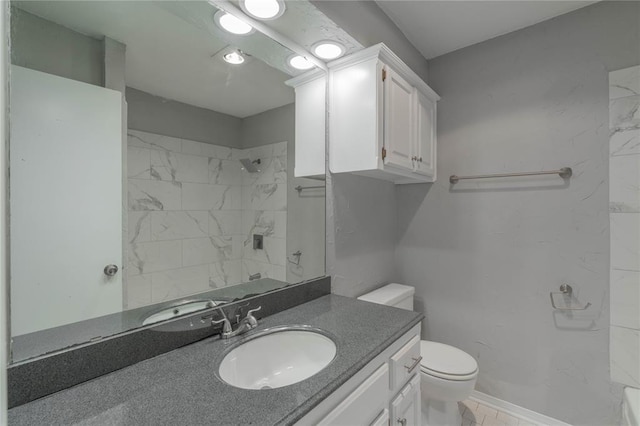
[(566, 291)]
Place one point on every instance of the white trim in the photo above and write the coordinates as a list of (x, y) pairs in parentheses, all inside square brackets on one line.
[(386, 55), (4, 276), (305, 78), (515, 410)]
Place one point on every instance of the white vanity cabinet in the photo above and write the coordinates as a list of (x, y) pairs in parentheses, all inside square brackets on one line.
[(310, 128), (382, 118), (386, 391)]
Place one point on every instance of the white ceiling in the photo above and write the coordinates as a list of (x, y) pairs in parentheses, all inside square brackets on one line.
[(171, 57), (439, 27)]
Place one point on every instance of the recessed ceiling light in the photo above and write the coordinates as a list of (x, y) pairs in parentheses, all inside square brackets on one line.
[(234, 57), (300, 62), (263, 9), (328, 49), (232, 24)]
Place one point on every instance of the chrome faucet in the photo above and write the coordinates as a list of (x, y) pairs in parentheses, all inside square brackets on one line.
[(249, 322)]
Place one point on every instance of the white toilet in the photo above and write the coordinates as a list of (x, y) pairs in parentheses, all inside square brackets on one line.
[(448, 374)]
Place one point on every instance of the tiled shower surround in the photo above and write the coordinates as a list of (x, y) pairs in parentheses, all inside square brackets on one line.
[(192, 213), (624, 215)]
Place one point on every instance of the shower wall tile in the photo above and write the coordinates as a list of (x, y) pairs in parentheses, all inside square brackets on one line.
[(225, 222), (153, 141), (624, 190), (261, 222), (625, 143), (171, 166), (193, 211), (625, 298), (625, 352), (625, 82), (154, 256), (138, 162), (153, 195), (223, 274), (175, 225), (273, 253), (624, 113), (172, 284), (624, 218), (224, 172), (196, 196), (265, 197), (279, 149), (139, 226), (202, 251), (625, 228), (138, 291)]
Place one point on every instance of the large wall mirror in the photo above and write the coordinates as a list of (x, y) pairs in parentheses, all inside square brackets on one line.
[(151, 173)]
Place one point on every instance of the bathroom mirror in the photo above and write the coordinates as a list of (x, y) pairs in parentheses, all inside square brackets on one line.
[(151, 162)]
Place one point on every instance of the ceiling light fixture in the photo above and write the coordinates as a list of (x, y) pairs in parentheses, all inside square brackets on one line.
[(232, 24), (263, 9), (300, 62), (234, 58), (328, 49)]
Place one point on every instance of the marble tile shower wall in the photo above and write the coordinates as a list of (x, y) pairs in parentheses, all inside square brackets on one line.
[(264, 212), (624, 208), (187, 231)]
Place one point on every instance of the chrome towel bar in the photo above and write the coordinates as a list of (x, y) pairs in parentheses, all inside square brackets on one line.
[(300, 187), (564, 173)]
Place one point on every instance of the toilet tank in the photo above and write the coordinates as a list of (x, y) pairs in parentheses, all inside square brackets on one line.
[(396, 295)]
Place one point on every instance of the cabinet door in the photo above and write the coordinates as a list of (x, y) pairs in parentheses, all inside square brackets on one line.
[(310, 115), (425, 150), (398, 120), (406, 407), (363, 405)]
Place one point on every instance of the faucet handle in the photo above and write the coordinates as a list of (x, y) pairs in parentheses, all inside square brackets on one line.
[(226, 325), (253, 322), (251, 311)]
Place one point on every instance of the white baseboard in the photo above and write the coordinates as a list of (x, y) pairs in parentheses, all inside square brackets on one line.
[(515, 410)]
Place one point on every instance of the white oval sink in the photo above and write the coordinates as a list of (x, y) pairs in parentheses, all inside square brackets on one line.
[(277, 359)]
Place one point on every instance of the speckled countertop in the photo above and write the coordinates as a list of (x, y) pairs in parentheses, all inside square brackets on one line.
[(181, 387)]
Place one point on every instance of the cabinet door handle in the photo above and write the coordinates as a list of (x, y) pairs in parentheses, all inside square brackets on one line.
[(416, 362), (402, 421)]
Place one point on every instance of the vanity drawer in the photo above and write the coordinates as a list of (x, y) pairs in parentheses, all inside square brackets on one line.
[(405, 363)]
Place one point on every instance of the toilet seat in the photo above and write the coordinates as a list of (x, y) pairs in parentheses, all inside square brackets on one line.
[(446, 362)]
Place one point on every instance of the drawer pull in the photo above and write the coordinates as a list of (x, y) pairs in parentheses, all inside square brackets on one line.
[(416, 362), (402, 421)]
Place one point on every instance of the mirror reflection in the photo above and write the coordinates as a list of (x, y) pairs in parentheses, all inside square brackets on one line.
[(151, 163)]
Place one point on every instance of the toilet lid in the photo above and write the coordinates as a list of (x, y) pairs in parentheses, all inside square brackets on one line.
[(446, 361)]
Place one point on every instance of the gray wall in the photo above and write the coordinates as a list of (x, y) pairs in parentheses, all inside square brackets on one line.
[(368, 24), (361, 233), (485, 255), (274, 125), (154, 114), (48, 47), (305, 210)]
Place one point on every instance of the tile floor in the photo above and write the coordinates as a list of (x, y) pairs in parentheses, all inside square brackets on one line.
[(477, 414)]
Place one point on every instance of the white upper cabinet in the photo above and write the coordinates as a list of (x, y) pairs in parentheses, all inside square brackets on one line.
[(310, 110), (382, 118), (398, 120)]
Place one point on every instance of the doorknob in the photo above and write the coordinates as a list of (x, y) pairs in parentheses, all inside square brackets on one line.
[(110, 270)]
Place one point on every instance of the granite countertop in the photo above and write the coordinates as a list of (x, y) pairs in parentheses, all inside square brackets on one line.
[(181, 387)]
